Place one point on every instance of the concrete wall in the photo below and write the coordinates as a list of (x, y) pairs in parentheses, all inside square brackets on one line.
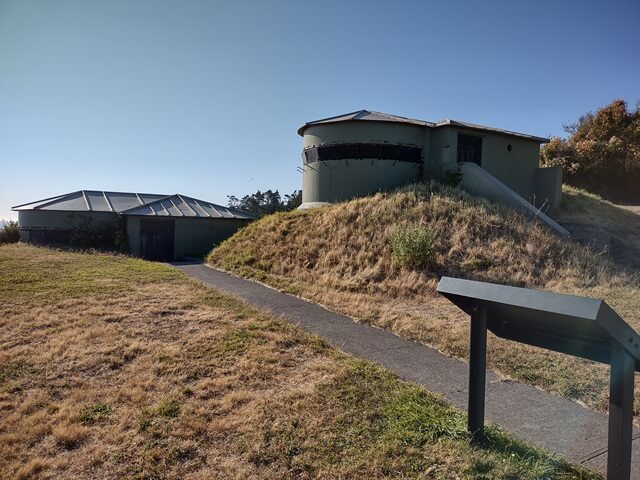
[(59, 221), (365, 131), (339, 180), (547, 188), (477, 181), (515, 168), (442, 152), (53, 219), (193, 237)]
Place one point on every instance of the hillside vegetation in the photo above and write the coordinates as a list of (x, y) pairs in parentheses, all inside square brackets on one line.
[(113, 367), (602, 152), (379, 260)]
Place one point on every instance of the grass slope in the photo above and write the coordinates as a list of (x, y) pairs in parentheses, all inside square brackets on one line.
[(341, 256), (112, 367), (623, 225)]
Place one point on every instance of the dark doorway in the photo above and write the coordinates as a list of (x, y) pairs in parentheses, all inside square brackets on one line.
[(470, 149), (156, 239)]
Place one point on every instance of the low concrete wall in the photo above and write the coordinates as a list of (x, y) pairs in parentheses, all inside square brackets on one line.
[(340, 180), (193, 237), (55, 220), (57, 227), (478, 181), (547, 188)]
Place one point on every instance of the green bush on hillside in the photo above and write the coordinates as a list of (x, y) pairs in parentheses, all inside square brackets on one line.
[(602, 153), (9, 232), (413, 246)]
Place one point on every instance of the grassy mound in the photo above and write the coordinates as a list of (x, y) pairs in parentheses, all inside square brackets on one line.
[(379, 259)]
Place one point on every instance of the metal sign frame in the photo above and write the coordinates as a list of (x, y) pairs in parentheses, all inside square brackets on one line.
[(577, 326)]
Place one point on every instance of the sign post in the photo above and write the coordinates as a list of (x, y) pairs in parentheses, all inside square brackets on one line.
[(477, 373), (620, 414), (578, 326)]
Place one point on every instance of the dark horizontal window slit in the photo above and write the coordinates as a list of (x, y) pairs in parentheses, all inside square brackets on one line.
[(348, 151)]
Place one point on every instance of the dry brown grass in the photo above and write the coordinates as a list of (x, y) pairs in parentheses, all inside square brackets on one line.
[(69, 436), (623, 225), (340, 256), (117, 368)]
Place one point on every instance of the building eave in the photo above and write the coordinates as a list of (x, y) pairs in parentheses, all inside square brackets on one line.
[(379, 117), (474, 126)]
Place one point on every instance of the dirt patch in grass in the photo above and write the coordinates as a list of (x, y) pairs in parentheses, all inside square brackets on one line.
[(342, 256), (154, 376)]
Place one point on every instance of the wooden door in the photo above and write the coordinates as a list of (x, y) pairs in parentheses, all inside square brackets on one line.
[(157, 239)]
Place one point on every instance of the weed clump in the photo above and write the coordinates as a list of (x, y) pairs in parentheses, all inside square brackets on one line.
[(413, 246), (94, 413)]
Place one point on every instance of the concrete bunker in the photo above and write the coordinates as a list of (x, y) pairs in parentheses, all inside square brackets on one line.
[(364, 152), (151, 226)]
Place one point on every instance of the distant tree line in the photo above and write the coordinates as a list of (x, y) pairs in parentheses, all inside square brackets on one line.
[(9, 232), (266, 203), (601, 153)]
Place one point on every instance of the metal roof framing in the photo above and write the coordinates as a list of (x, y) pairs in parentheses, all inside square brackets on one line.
[(131, 203)]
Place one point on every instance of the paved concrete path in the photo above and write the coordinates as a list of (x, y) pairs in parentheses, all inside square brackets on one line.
[(539, 418)]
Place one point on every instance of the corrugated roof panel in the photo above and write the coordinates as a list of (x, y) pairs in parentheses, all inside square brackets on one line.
[(151, 197), (158, 208), (195, 205), (146, 210), (183, 206), (170, 208), (225, 212), (211, 210), (97, 201), (123, 201), (73, 202), (147, 204), (37, 203)]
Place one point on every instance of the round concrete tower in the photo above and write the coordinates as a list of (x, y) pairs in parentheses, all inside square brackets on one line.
[(360, 153)]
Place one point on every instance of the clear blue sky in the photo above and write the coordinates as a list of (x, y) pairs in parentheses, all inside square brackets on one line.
[(204, 97)]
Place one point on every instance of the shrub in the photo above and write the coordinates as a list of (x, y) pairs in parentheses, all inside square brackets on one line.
[(453, 177), (413, 245), (9, 232), (602, 153)]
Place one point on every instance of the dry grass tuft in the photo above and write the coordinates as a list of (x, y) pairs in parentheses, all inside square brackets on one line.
[(31, 469), (342, 256), (69, 436)]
